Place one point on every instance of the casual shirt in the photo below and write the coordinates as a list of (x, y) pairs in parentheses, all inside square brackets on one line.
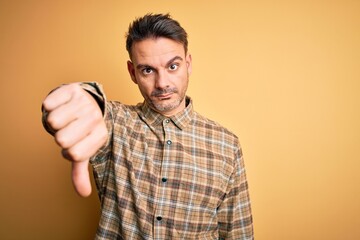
[(178, 177)]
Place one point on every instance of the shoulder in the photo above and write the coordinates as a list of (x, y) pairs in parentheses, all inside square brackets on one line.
[(116, 110), (214, 128)]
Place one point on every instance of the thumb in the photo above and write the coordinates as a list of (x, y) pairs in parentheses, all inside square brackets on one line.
[(81, 178)]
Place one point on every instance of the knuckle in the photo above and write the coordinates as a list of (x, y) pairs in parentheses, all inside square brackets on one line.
[(104, 136), (105, 132), (74, 87), (94, 118), (61, 140), (53, 121), (74, 155), (46, 104), (102, 131)]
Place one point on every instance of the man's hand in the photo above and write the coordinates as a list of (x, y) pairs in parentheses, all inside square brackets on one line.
[(79, 130)]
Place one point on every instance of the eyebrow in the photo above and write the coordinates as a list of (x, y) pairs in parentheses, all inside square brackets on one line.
[(140, 66)]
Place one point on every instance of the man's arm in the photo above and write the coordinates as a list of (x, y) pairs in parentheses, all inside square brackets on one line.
[(234, 214), (74, 118)]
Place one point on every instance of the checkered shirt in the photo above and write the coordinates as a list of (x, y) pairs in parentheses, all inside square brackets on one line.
[(179, 177)]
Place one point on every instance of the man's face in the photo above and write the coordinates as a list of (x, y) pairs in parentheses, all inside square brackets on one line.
[(161, 70)]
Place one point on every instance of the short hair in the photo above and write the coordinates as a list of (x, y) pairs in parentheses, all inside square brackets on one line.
[(155, 26)]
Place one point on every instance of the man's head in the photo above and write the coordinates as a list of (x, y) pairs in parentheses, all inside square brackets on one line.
[(155, 26), (160, 64)]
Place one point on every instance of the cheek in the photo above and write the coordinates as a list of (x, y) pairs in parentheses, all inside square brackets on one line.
[(182, 81), (145, 86)]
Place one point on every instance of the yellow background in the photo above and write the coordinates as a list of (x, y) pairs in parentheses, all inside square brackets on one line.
[(283, 75)]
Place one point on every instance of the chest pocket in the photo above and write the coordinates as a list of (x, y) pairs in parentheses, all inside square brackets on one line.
[(198, 195), (195, 217)]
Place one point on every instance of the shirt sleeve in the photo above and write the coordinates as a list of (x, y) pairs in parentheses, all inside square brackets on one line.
[(99, 161), (234, 213)]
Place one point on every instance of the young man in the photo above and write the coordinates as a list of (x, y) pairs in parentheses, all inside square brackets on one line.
[(162, 170)]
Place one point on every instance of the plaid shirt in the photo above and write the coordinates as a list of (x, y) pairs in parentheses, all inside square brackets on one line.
[(179, 177)]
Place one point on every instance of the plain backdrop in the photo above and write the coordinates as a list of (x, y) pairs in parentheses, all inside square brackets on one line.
[(283, 75)]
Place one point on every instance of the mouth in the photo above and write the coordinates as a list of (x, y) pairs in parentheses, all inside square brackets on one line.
[(164, 96)]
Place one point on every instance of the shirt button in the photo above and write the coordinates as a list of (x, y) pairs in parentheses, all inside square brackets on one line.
[(167, 120), (159, 218), (168, 142), (164, 179)]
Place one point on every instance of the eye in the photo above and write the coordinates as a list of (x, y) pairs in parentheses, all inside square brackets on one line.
[(147, 70), (173, 67)]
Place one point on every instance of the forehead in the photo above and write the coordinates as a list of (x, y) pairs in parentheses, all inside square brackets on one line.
[(156, 50)]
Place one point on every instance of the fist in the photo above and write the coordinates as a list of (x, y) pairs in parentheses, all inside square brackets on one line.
[(80, 129)]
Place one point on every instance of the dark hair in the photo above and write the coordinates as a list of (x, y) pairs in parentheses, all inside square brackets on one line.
[(154, 26)]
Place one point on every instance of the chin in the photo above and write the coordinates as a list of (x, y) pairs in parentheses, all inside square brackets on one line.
[(165, 107)]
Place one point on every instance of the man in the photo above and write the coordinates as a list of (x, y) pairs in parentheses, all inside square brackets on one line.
[(162, 170)]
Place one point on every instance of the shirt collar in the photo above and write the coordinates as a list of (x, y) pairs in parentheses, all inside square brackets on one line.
[(181, 119)]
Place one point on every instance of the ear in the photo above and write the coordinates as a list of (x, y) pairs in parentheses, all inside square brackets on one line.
[(131, 70), (189, 63)]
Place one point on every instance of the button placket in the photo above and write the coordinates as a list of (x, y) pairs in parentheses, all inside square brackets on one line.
[(167, 133), (168, 142), (163, 181)]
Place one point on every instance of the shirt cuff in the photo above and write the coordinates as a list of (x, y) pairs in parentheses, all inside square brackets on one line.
[(96, 90)]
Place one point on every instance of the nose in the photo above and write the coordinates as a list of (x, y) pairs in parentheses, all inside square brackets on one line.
[(162, 80)]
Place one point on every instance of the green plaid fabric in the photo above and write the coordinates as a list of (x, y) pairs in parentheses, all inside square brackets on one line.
[(181, 177)]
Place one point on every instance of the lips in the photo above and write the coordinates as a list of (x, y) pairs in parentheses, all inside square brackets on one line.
[(164, 96)]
